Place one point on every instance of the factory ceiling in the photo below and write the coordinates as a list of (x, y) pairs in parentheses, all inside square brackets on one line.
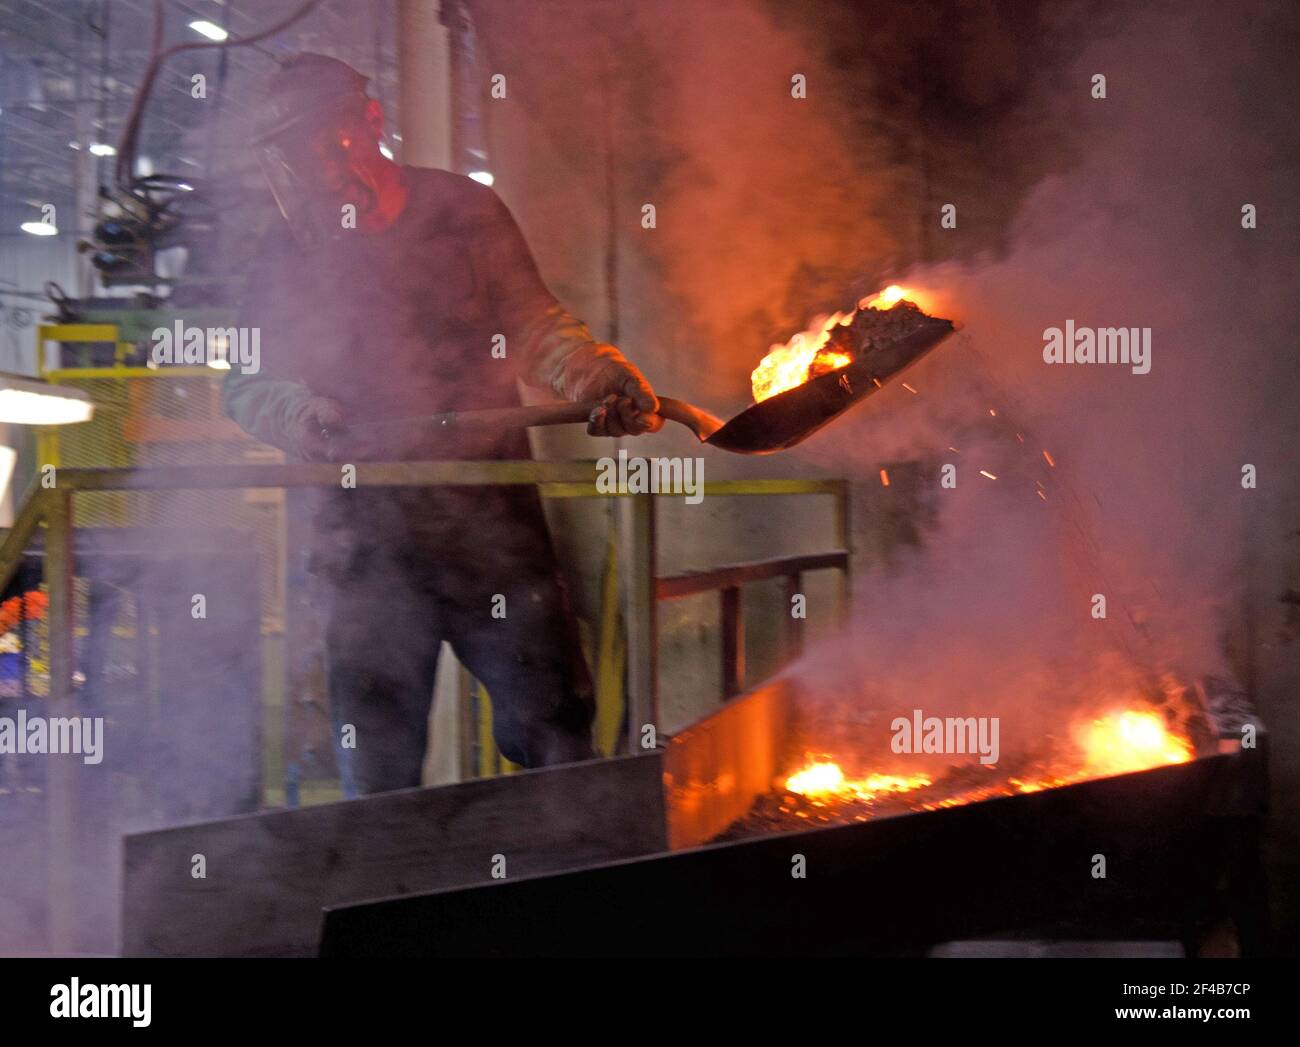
[(69, 70)]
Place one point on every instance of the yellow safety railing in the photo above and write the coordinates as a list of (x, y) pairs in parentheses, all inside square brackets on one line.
[(49, 503)]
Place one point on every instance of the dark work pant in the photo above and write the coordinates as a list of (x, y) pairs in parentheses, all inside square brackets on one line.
[(409, 570)]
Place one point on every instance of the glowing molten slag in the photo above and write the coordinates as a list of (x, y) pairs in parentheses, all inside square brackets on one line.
[(1129, 741), (1116, 742), (806, 354), (824, 779), (816, 778)]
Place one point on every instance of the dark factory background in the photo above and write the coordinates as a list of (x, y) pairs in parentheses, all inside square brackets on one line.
[(771, 210)]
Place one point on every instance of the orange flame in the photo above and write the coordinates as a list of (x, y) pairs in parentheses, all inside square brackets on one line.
[(806, 354), (890, 296), (1117, 742), (1129, 741), (824, 779), (788, 365)]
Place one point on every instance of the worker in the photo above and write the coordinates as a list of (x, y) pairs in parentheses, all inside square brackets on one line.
[(392, 292)]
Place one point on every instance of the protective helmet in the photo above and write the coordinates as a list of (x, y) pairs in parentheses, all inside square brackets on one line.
[(307, 93)]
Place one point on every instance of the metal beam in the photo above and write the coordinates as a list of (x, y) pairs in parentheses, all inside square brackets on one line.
[(368, 474)]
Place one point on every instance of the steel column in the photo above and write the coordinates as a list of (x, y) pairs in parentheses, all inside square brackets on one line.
[(60, 779), (637, 537)]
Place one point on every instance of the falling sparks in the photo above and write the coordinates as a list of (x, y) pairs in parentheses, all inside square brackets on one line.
[(884, 477), (1047, 455), (909, 388), (985, 472)]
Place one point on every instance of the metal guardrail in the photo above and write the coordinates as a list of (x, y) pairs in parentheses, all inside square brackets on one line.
[(728, 580), (51, 506)]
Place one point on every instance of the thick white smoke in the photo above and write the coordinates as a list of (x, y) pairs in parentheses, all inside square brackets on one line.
[(992, 615)]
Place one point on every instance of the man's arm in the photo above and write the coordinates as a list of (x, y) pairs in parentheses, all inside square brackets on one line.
[(278, 411), (553, 349), (269, 403)]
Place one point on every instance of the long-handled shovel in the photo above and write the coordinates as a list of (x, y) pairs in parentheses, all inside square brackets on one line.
[(882, 350)]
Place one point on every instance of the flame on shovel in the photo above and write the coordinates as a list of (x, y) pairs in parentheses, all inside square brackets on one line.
[(810, 353)]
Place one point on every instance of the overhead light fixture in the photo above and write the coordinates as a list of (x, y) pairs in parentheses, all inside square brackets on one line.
[(8, 459), (219, 352), (103, 149), (209, 29), (31, 401), (385, 151), (482, 176), (39, 228)]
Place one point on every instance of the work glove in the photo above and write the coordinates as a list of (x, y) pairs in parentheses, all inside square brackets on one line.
[(628, 406), (311, 426)]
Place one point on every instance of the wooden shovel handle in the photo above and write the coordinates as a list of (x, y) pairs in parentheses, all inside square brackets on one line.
[(699, 422)]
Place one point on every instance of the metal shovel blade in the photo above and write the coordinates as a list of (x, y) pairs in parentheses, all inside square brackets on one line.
[(786, 419)]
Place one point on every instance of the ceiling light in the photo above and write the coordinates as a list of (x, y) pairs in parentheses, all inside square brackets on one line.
[(39, 228), (209, 29), (482, 176), (8, 459), (30, 401)]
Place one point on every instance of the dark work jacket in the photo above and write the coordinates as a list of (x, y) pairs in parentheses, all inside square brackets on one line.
[(404, 323)]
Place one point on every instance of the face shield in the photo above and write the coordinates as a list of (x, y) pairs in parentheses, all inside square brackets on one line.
[(307, 164)]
